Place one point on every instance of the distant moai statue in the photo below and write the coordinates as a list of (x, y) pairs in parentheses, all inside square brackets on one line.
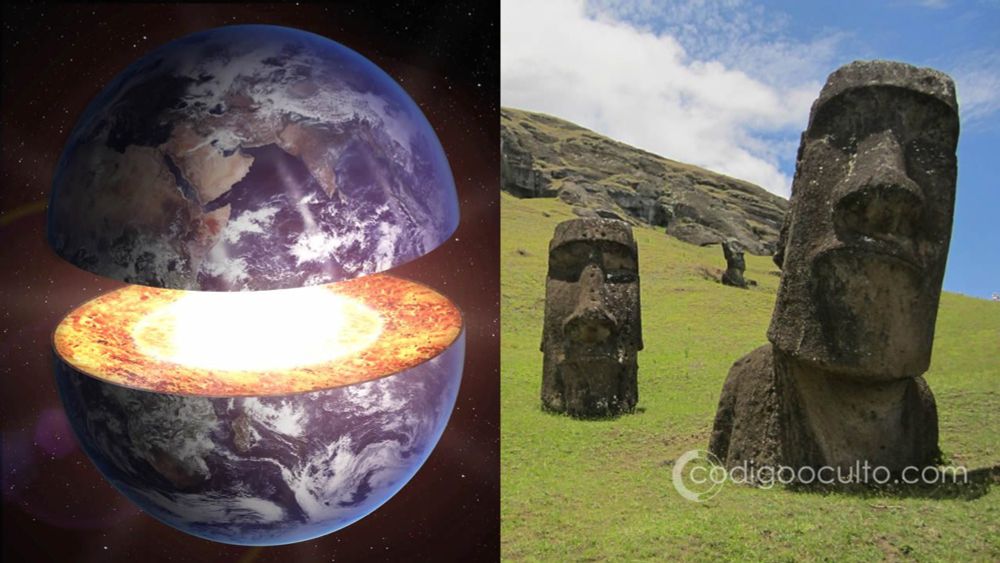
[(862, 256), (592, 329), (735, 264)]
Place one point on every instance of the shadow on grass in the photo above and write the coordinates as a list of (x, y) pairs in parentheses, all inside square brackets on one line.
[(603, 418), (943, 485)]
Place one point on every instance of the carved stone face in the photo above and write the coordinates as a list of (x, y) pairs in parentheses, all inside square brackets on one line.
[(869, 223), (592, 325)]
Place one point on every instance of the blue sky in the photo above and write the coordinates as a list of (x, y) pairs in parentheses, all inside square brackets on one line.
[(727, 85)]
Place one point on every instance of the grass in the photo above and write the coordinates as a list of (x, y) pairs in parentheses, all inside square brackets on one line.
[(601, 490)]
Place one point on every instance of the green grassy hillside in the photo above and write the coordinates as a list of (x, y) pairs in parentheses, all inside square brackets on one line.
[(601, 490)]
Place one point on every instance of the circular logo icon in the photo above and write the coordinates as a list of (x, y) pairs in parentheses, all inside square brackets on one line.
[(698, 475)]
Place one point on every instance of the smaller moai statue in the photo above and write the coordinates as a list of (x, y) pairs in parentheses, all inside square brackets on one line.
[(735, 264), (592, 329)]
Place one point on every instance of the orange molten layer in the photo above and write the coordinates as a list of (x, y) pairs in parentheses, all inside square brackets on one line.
[(418, 324)]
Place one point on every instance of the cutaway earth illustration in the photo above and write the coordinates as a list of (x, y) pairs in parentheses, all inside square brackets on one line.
[(261, 382)]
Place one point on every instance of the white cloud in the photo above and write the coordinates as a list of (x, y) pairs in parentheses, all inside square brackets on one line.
[(316, 246), (710, 84), (256, 221), (977, 84)]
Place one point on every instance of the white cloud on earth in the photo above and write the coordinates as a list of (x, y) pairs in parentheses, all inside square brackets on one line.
[(257, 221), (724, 92)]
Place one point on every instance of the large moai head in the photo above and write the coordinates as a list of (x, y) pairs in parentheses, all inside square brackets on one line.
[(592, 328), (866, 237)]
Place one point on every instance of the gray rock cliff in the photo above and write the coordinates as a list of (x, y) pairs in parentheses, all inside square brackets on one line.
[(543, 156)]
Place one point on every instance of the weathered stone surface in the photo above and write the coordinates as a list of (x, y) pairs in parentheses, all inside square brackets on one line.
[(870, 222), (775, 411), (593, 328), (542, 156), (735, 264), (862, 255), (517, 172)]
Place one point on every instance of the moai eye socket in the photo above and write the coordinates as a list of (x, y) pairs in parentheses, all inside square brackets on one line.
[(567, 261), (620, 276), (619, 264)]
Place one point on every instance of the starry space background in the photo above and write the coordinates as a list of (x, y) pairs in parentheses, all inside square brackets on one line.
[(56, 507)]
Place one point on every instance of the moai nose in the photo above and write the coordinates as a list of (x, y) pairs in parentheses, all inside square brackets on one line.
[(590, 322), (878, 198)]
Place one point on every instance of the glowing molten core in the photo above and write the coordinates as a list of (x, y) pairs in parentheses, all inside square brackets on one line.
[(258, 343), (257, 330)]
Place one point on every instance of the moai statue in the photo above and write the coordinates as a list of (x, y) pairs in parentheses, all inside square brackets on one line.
[(735, 264), (592, 328), (862, 256)]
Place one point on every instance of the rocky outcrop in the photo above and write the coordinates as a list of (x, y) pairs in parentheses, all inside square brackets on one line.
[(517, 172), (543, 156)]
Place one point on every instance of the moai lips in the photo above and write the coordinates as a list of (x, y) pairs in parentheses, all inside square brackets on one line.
[(592, 328)]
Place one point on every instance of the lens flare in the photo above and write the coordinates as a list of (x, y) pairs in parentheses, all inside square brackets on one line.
[(262, 330)]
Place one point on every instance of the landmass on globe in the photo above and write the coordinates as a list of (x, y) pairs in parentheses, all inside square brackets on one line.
[(250, 157)]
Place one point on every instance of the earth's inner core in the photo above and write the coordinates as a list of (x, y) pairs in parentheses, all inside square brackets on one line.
[(257, 330), (258, 343)]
